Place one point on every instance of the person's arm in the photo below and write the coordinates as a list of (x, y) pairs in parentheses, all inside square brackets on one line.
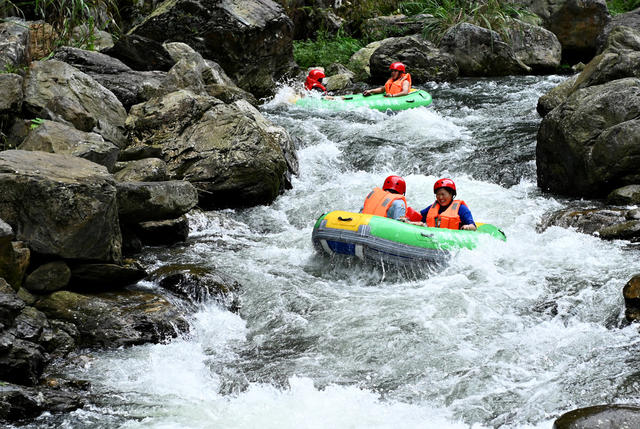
[(466, 219), (373, 91), (397, 210), (405, 90)]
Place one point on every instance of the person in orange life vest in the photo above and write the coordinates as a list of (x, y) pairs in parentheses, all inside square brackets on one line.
[(314, 81), (445, 212), (398, 84), (388, 201)]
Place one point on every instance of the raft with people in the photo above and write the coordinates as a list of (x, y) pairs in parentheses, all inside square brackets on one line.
[(380, 239)]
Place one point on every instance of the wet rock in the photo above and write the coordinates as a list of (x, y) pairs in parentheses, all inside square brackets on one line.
[(96, 277), (59, 338), (26, 296), (623, 231), (251, 40), (14, 44), (29, 324), (589, 145), (55, 137), (57, 91), (229, 94), (48, 277), (17, 403), (631, 293), (163, 232), (143, 170), (114, 319), (20, 361), (556, 96), (630, 19), (481, 52), (141, 53), (600, 416), (11, 90), (10, 304), (382, 27), (209, 72), (424, 61), (144, 201), (633, 214), (7, 257), (536, 47), (198, 284), (624, 196), (586, 221), (232, 158), (359, 62), (60, 205)]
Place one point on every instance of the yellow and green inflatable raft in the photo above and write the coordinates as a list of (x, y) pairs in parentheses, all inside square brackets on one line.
[(415, 98), (384, 240)]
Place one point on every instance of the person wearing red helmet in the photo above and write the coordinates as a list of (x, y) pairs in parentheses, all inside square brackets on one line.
[(446, 212), (399, 83), (314, 81), (388, 201)]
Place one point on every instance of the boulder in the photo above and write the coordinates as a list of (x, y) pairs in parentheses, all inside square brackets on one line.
[(198, 284), (7, 255), (631, 293), (210, 71), (21, 361), (48, 277), (14, 44), (141, 53), (576, 23), (30, 324), (556, 96), (629, 230), (56, 137), (90, 62), (229, 94), (424, 61), (338, 82), (232, 157), (138, 152), (114, 319), (20, 403), (630, 19), (95, 277), (145, 201), (359, 62), (10, 304), (59, 338), (21, 261), (60, 205), (536, 47), (590, 144), (250, 39), (11, 90), (57, 91), (163, 232), (143, 170), (382, 27), (588, 221), (481, 52), (626, 195), (600, 416), (309, 16)]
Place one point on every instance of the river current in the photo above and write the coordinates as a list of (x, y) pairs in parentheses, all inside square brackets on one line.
[(508, 335)]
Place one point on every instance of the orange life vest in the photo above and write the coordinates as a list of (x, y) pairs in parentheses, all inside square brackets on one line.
[(395, 86), (378, 202), (449, 218)]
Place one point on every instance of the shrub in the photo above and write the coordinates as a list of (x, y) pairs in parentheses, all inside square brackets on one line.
[(325, 50), (621, 6)]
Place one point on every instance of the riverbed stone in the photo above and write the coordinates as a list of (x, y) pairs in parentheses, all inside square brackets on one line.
[(145, 201), (114, 319), (60, 205), (556, 96), (481, 52), (359, 62), (628, 230), (20, 403), (30, 323), (56, 137), (229, 94), (143, 170), (535, 46), (96, 277), (588, 221), (60, 92), (48, 277), (10, 304), (600, 416), (21, 361), (624, 196), (252, 40), (14, 44), (424, 61), (590, 144), (11, 90), (59, 338), (631, 294), (163, 232)]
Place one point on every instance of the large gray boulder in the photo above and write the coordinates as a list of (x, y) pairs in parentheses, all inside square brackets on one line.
[(481, 52), (576, 23), (48, 277), (629, 19), (231, 157), (424, 61), (55, 137), (210, 71), (11, 90), (141, 53), (60, 205), (251, 39), (556, 96), (600, 416), (536, 47), (142, 170), (359, 62), (60, 92), (143, 201), (14, 44), (590, 144)]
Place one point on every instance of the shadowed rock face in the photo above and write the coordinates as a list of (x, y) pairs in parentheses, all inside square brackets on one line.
[(251, 40)]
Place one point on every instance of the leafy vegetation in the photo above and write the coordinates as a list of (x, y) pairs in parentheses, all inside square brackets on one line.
[(621, 6), (496, 15), (325, 50)]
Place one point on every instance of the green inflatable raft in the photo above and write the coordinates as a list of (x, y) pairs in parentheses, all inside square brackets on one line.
[(384, 240), (415, 98)]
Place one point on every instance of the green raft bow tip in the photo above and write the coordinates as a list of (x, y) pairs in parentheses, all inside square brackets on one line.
[(416, 98), (384, 240)]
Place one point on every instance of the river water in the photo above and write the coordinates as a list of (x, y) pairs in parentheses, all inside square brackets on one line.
[(508, 335)]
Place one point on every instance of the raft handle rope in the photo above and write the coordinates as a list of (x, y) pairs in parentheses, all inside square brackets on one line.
[(345, 219), (427, 235), (410, 101)]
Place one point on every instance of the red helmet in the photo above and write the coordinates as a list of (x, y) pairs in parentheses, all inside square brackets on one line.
[(397, 66), (316, 74), (395, 183), (444, 183)]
